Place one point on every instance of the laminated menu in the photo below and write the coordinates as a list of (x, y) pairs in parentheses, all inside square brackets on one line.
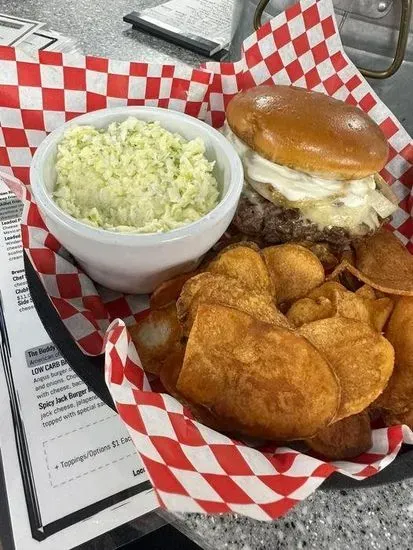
[(32, 35), (202, 26), (191, 467), (66, 460)]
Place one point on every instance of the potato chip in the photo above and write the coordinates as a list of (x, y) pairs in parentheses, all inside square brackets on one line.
[(265, 381), (245, 264), (218, 289), (348, 256), (330, 290), (170, 369), (345, 303), (342, 267), (366, 291), (379, 305), (347, 438), (169, 291), (398, 396), (332, 299), (206, 417), (345, 267), (169, 373), (383, 263), (362, 359), (386, 262), (239, 239), (241, 242), (323, 252), (156, 336), (355, 305), (294, 271), (405, 418), (344, 276), (307, 310), (380, 311)]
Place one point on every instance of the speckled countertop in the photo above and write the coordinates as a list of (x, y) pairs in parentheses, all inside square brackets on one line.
[(362, 518), (99, 27)]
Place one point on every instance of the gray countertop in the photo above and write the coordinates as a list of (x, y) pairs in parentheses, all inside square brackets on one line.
[(99, 27), (362, 518)]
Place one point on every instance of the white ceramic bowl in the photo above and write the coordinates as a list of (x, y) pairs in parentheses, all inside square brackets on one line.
[(137, 263)]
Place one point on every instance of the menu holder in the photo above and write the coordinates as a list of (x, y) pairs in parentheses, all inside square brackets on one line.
[(202, 27)]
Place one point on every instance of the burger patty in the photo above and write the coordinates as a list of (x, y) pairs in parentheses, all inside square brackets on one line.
[(275, 224)]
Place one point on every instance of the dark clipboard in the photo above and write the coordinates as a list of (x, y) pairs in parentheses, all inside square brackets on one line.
[(197, 44)]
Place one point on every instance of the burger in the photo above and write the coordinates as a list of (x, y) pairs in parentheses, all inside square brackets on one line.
[(311, 167)]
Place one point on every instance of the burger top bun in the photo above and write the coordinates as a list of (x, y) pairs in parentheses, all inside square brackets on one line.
[(308, 131)]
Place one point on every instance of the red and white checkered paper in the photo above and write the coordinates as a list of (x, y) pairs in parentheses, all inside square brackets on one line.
[(192, 467)]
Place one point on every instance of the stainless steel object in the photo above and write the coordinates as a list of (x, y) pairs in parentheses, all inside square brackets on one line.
[(382, 6), (376, 34)]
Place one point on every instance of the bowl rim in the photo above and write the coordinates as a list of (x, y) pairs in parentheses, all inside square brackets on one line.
[(51, 209)]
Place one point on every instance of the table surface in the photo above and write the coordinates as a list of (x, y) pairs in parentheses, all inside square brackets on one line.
[(366, 519)]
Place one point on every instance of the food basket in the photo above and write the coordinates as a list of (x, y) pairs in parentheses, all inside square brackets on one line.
[(192, 468)]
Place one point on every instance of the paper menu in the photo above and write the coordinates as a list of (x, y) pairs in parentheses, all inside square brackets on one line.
[(32, 36), (40, 40), (203, 26), (14, 30), (67, 458)]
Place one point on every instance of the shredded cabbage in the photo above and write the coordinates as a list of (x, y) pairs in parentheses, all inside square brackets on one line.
[(134, 176)]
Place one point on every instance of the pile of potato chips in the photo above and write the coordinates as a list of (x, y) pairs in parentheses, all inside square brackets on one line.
[(266, 344)]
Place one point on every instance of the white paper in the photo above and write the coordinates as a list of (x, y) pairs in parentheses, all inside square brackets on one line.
[(51, 41), (74, 450), (14, 30), (40, 40), (210, 19)]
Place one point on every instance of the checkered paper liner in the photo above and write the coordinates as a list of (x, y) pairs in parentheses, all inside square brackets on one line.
[(192, 467)]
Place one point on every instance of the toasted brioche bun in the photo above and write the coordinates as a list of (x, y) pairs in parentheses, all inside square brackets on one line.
[(308, 131)]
